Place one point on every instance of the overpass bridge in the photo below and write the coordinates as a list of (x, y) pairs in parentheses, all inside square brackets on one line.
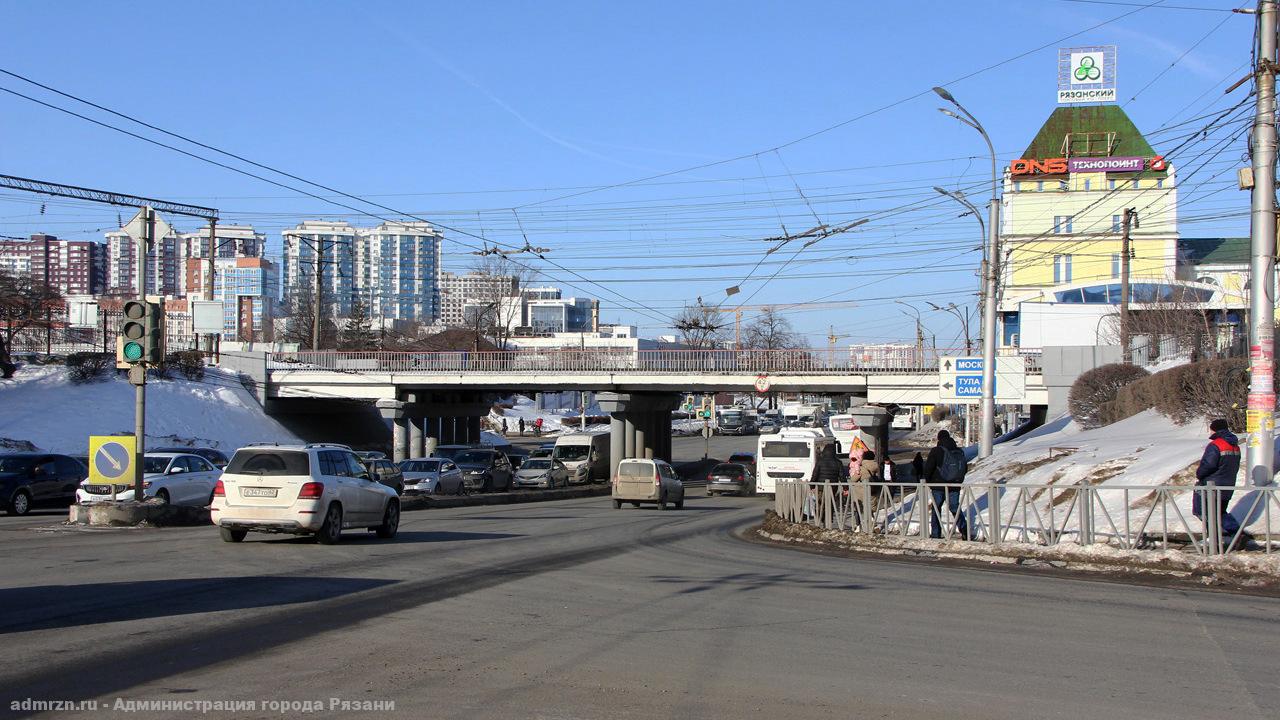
[(444, 394)]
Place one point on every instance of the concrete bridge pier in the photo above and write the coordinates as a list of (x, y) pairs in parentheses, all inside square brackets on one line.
[(639, 425), (422, 419)]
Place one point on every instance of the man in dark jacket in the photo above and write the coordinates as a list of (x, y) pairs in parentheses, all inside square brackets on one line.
[(1218, 466), (828, 469), (946, 464)]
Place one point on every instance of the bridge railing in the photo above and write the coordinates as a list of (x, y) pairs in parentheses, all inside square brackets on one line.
[(622, 360), (1128, 517)]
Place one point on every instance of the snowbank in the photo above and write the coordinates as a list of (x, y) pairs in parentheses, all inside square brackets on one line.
[(41, 405)]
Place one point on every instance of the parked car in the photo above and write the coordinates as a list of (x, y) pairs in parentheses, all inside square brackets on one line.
[(540, 452), (315, 490), (542, 472), (176, 478), (744, 458), (368, 455), (766, 425), (34, 480), (215, 457), (386, 472), (516, 454), (434, 476), (451, 451), (484, 469), (730, 477), (647, 481)]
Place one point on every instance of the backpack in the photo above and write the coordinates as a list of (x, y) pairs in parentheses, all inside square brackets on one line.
[(951, 469)]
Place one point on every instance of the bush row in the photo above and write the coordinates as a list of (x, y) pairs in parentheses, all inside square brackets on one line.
[(1211, 388)]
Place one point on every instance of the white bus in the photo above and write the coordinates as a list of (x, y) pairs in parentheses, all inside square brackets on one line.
[(789, 455), (845, 431)]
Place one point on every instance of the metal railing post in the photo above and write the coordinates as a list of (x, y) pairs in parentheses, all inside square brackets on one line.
[(993, 513)]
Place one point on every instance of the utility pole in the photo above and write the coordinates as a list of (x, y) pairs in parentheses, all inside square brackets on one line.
[(318, 293), (1126, 328), (208, 290), (1262, 231), (138, 372)]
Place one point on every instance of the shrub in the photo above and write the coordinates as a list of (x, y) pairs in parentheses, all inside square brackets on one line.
[(940, 413), (88, 367), (188, 362), (1095, 389), (1211, 388)]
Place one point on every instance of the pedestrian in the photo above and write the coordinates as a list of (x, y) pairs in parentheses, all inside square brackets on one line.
[(917, 467), (946, 467), (537, 427), (1219, 466), (521, 427), (827, 470), (504, 427), (856, 452)]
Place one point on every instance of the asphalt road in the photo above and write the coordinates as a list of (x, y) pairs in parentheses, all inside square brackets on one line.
[(572, 609)]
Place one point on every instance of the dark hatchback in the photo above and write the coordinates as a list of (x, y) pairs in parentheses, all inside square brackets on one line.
[(35, 480), (730, 477), (484, 470)]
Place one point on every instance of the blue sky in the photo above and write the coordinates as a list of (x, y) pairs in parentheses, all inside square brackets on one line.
[(488, 116)]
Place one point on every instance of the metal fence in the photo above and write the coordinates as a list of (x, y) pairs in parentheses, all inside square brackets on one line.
[(1129, 517), (777, 362), (62, 339)]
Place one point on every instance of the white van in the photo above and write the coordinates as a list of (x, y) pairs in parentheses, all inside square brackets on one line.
[(845, 430), (789, 455), (804, 416), (585, 455)]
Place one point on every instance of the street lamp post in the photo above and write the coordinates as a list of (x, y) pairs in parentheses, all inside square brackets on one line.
[(986, 438), (919, 330), (964, 322)]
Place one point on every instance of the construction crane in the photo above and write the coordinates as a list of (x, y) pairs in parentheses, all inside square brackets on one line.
[(739, 310)]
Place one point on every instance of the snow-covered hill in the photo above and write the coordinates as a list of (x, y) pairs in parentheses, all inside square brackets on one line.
[(42, 406)]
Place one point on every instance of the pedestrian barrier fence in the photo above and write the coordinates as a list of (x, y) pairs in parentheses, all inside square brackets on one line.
[(1133, 517), (809, 362)]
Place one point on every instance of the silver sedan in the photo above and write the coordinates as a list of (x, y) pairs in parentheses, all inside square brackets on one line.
[(542, 472), (432, 476)]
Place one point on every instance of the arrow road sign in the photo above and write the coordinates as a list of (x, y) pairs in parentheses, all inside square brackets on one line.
[(960, 379), (111, 459)]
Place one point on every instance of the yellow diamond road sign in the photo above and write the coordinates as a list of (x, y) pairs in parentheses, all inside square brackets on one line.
[(111, 459)]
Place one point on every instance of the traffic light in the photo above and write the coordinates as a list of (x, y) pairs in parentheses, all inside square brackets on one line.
[(141, 334)]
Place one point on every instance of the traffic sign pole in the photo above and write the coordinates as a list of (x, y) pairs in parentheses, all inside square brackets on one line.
[(140, 378)]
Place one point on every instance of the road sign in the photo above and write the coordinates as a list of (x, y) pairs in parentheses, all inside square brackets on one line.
[(111, 459), (137, 227), (960, 379), (762, 384)]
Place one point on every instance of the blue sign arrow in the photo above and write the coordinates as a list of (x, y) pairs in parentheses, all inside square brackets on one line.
[(112, 460)]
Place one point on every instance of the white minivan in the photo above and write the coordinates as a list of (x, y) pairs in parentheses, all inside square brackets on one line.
[(789, 455), (313, 489), (585, 456)]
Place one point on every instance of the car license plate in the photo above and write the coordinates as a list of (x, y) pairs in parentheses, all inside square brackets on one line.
[(258, 492)]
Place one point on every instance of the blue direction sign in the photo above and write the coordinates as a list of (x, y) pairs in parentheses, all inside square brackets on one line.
[(968, 365), (111, 459), (969, 386)]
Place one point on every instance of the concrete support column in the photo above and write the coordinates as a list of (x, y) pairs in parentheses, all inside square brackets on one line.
[(431, 435), (629, 435), (400, 438), (447, 436), (617, 443), (642, 432), (664, 435), (473, 428), (416, 436)]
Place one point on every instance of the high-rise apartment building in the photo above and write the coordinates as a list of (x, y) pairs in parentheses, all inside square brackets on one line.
[(324, 247), (397, 271), (70, 267), (247, 288), (457, 292), (163, 265)]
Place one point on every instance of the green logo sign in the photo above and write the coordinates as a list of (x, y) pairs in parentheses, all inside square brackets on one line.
[(1088, 69)]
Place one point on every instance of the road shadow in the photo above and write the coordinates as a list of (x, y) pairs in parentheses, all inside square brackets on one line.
[(44, 607), (746, 582), (355, 537)]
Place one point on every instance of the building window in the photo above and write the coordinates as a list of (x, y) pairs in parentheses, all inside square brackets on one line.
[(1062, 223), (1117, 223), (1061, 269), (1039, 186), (1159, 182), (1111, 184), (1115, 265), (1087, 184), (1017, 186)]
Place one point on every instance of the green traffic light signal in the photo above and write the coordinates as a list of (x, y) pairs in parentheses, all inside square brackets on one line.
[(132, 351)]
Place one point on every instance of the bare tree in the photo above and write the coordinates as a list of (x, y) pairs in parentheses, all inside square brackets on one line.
[(701, 326), (494, 310), (24, 306), (1177, 316), (299, 323), (771, 330)]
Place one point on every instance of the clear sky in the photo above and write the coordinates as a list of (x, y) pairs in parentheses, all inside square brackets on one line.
[(488, 116)]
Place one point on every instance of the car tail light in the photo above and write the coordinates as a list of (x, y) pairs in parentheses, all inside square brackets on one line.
[(708, 477), (311, 490), (219, 490), (657, 479)]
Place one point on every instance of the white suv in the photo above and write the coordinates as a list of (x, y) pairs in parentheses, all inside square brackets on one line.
[(302, 490)]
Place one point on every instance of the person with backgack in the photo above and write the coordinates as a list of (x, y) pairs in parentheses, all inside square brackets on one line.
[(1219, 466), (946, 466)]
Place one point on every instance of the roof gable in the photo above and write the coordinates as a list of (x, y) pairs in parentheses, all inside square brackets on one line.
[(1088, 119), (1215, 251)]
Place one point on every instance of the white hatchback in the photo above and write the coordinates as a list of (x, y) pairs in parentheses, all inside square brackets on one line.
[(302, 490)]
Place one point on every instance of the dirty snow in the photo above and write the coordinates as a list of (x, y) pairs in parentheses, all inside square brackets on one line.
[(42, 406)]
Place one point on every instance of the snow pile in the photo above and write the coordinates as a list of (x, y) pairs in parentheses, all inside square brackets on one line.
[(1145, 450), (42, 406)]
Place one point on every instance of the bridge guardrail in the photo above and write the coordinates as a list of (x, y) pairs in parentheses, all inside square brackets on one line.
[(1127, 516), (755, 362)]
